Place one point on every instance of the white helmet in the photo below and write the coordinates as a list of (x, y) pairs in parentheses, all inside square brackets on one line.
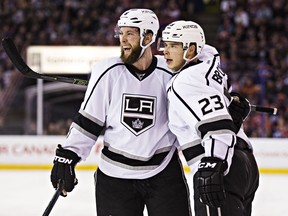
[(144, 19), (185, 32)]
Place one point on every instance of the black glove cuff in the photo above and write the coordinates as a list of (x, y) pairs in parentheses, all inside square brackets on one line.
[(66, 156)]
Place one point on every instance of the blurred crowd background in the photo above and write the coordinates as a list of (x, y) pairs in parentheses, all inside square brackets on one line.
[(251, 36)]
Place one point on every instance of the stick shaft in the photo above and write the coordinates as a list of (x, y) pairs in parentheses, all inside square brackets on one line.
[(269, 110), (219, 211), (53, 200), (207, 210)]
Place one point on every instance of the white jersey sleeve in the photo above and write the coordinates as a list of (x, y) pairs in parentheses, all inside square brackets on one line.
[(198, 112)]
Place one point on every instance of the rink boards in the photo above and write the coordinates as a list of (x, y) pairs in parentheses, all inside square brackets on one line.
[(37, 152)]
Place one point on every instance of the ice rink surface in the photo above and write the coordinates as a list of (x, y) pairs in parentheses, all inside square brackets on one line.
[(27, 193)]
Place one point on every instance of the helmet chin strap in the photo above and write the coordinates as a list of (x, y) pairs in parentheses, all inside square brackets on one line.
[(186, 61), (142, 51), (143, 47), (142, 36)]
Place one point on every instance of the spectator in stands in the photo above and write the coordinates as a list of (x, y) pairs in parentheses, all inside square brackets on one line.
[(257, 26)]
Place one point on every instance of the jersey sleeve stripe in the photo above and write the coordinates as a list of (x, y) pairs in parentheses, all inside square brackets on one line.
[(85, 114), (88, 125), (213, 127), (190, 144), (192, 152), (81, 130)]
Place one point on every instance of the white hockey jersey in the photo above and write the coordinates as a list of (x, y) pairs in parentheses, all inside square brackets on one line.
[(132, 112), (208, 52), (198, 109)]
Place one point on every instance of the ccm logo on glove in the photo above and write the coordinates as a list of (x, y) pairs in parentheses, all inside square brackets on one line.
[(207, 165)]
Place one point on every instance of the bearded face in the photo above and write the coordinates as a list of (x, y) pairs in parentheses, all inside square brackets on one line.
[(130, 55)]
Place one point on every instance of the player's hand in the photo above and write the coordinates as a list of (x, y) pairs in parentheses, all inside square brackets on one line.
[(239, 109), (64, 169), (209, 181)]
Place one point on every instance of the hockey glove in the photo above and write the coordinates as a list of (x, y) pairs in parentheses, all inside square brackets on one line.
[(239, 109), (209, 181), (64, 169)]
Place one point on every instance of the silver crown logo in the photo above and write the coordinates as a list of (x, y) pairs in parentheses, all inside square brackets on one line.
[(137, 124)]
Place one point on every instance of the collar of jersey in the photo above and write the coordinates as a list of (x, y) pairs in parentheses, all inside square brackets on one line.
[(133, 70), (191, 64)]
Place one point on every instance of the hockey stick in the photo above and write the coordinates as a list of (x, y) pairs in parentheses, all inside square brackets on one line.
[(19, 63), (54, 198)]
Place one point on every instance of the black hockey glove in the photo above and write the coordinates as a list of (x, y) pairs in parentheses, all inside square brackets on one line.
[(209, 181), (239, 109), (64, 169)]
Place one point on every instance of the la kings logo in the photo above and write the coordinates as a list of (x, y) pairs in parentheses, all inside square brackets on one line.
[(138, 112)]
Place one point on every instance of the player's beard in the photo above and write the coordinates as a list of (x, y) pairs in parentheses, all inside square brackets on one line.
[(133, 57)]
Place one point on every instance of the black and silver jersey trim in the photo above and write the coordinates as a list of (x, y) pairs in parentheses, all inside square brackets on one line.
[(88, 125), (210, 69), (216, 124), (131, 162), (192, 153)]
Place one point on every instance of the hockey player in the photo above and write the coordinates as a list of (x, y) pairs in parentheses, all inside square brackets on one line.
[(208, 124), (126, 100)]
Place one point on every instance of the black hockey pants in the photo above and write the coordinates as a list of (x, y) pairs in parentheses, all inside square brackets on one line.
[(165, 194)]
